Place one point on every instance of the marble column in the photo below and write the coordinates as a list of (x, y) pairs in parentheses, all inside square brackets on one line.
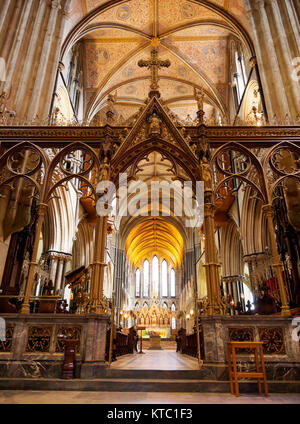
[(59, 275), (53, 268)]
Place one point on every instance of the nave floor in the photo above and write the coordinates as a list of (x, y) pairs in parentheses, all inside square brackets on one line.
[(86, 397), (156, 360)]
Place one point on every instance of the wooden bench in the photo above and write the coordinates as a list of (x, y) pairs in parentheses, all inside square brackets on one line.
[(234, 374)]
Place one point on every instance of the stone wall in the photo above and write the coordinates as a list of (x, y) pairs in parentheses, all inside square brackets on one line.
[(32, 348), (281, 352)]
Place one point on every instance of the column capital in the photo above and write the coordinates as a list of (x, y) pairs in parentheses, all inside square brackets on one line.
[(42, 208), (55, 4), (268, 210)]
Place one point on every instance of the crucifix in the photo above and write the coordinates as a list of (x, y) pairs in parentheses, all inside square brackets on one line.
[(154, 64)]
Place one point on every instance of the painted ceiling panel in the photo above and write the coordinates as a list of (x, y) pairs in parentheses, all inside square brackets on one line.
[(137, 14), (100, 59), (174, 13), (208, 56), (192, 36)]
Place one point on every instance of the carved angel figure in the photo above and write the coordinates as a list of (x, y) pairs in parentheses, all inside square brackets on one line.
[(111, 100), (199, 96)]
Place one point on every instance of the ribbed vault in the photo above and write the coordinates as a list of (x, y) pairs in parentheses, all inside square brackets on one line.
[(154, 236)]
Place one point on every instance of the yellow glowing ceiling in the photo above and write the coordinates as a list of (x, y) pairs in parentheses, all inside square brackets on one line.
[(154, 236)]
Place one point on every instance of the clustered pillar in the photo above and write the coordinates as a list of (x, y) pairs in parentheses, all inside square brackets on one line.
[(275, 28), (30, 87)]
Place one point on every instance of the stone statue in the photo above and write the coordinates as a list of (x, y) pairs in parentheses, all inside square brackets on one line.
[(206, 173), (104, 170), (199, 96), (154, 127), (111, 100)]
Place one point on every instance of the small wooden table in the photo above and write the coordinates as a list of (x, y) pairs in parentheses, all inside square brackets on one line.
[(234, 374)]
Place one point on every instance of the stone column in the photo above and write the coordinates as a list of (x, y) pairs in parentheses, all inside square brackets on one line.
[(296, 5), (284, 55), (53, 269), (294, 27), (7, 42), (14, 54), (3, 12), (41, 214), (27, 69), (62, 280), (59, 274), (274, 58), (277, 264), (235, 293), (50, 88), (43, 62)]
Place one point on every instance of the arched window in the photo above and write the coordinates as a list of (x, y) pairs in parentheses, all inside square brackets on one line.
[(155, 274), (240, 75), (146, 278), (137, 307), (173, 283), (164, 278), (173, 307), (165, 305), (137, 282), (173, 323)]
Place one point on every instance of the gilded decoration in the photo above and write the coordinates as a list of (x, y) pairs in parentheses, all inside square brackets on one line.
[(155, 316), (274, 339), (5, 345), (38, 339), (70, 333), (245, 334)]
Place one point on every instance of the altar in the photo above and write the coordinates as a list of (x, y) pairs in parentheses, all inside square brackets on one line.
[(155, 342)]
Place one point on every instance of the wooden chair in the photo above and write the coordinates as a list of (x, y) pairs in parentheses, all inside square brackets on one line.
[(234, 374)]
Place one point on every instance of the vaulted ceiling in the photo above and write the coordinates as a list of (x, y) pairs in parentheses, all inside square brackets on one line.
[(194, 35), (154, 236)]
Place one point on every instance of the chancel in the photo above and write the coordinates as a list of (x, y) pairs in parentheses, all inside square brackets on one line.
[(150, 196)]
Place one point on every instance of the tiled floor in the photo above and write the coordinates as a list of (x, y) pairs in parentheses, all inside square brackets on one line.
[(75, 397), (156, 360)]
